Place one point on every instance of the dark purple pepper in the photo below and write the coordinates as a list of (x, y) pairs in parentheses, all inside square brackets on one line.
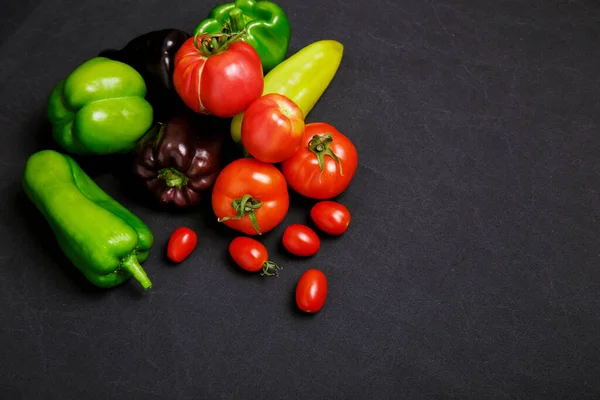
[(180, 163), (153, 55)]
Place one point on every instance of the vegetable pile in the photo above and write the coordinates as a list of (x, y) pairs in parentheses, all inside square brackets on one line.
[(149, 100)]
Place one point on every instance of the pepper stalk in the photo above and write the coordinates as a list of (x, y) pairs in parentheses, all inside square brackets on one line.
[(131, 264)]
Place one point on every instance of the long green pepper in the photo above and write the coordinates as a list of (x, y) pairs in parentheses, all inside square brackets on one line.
[(103, 239)]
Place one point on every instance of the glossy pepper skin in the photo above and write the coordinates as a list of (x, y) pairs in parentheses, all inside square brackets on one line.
[(103, 239), (267, 27), (152, 54), (180, 164), (100, 108)]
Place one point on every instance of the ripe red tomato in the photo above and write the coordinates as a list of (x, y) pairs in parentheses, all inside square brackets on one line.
[(272, 128), (217, 76), (250, 196), (331, 217), (311, 291), (300, 240), (324, 165), (181, 244), (252, 256)]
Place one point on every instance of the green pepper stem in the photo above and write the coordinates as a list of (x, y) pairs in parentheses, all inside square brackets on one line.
[(320, 146), (236, 20), (245, 206), (173, 178), (132, 265)]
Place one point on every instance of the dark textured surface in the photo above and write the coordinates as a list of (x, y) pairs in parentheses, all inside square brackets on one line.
[(471, 266)]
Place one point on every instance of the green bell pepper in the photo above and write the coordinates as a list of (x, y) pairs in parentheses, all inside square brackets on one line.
[(267, 27), (103, 239), (100, 108)]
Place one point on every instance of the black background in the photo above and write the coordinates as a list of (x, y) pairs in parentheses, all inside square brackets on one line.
[(470, 269)]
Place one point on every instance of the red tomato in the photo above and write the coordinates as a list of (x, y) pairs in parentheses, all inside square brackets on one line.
[(252, 256), (223, 81), (324, 165), (331, 217), (300, 240), (181, 244), (311, 291), (272, 128), (250, 196)]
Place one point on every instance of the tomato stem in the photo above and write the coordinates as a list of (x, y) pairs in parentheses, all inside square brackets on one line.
[(320, 146), (245, 206), (210, 45), (269, 268)]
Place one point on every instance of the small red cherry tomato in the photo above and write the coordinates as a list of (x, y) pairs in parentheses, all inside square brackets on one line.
[(331, 217), (311, 291), (181, 244), (252, 255), (300, 240)]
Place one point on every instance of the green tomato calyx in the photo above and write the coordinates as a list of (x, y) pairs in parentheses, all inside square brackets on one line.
[(211, 45), (269, 268), (320, 145), (245, 206)]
